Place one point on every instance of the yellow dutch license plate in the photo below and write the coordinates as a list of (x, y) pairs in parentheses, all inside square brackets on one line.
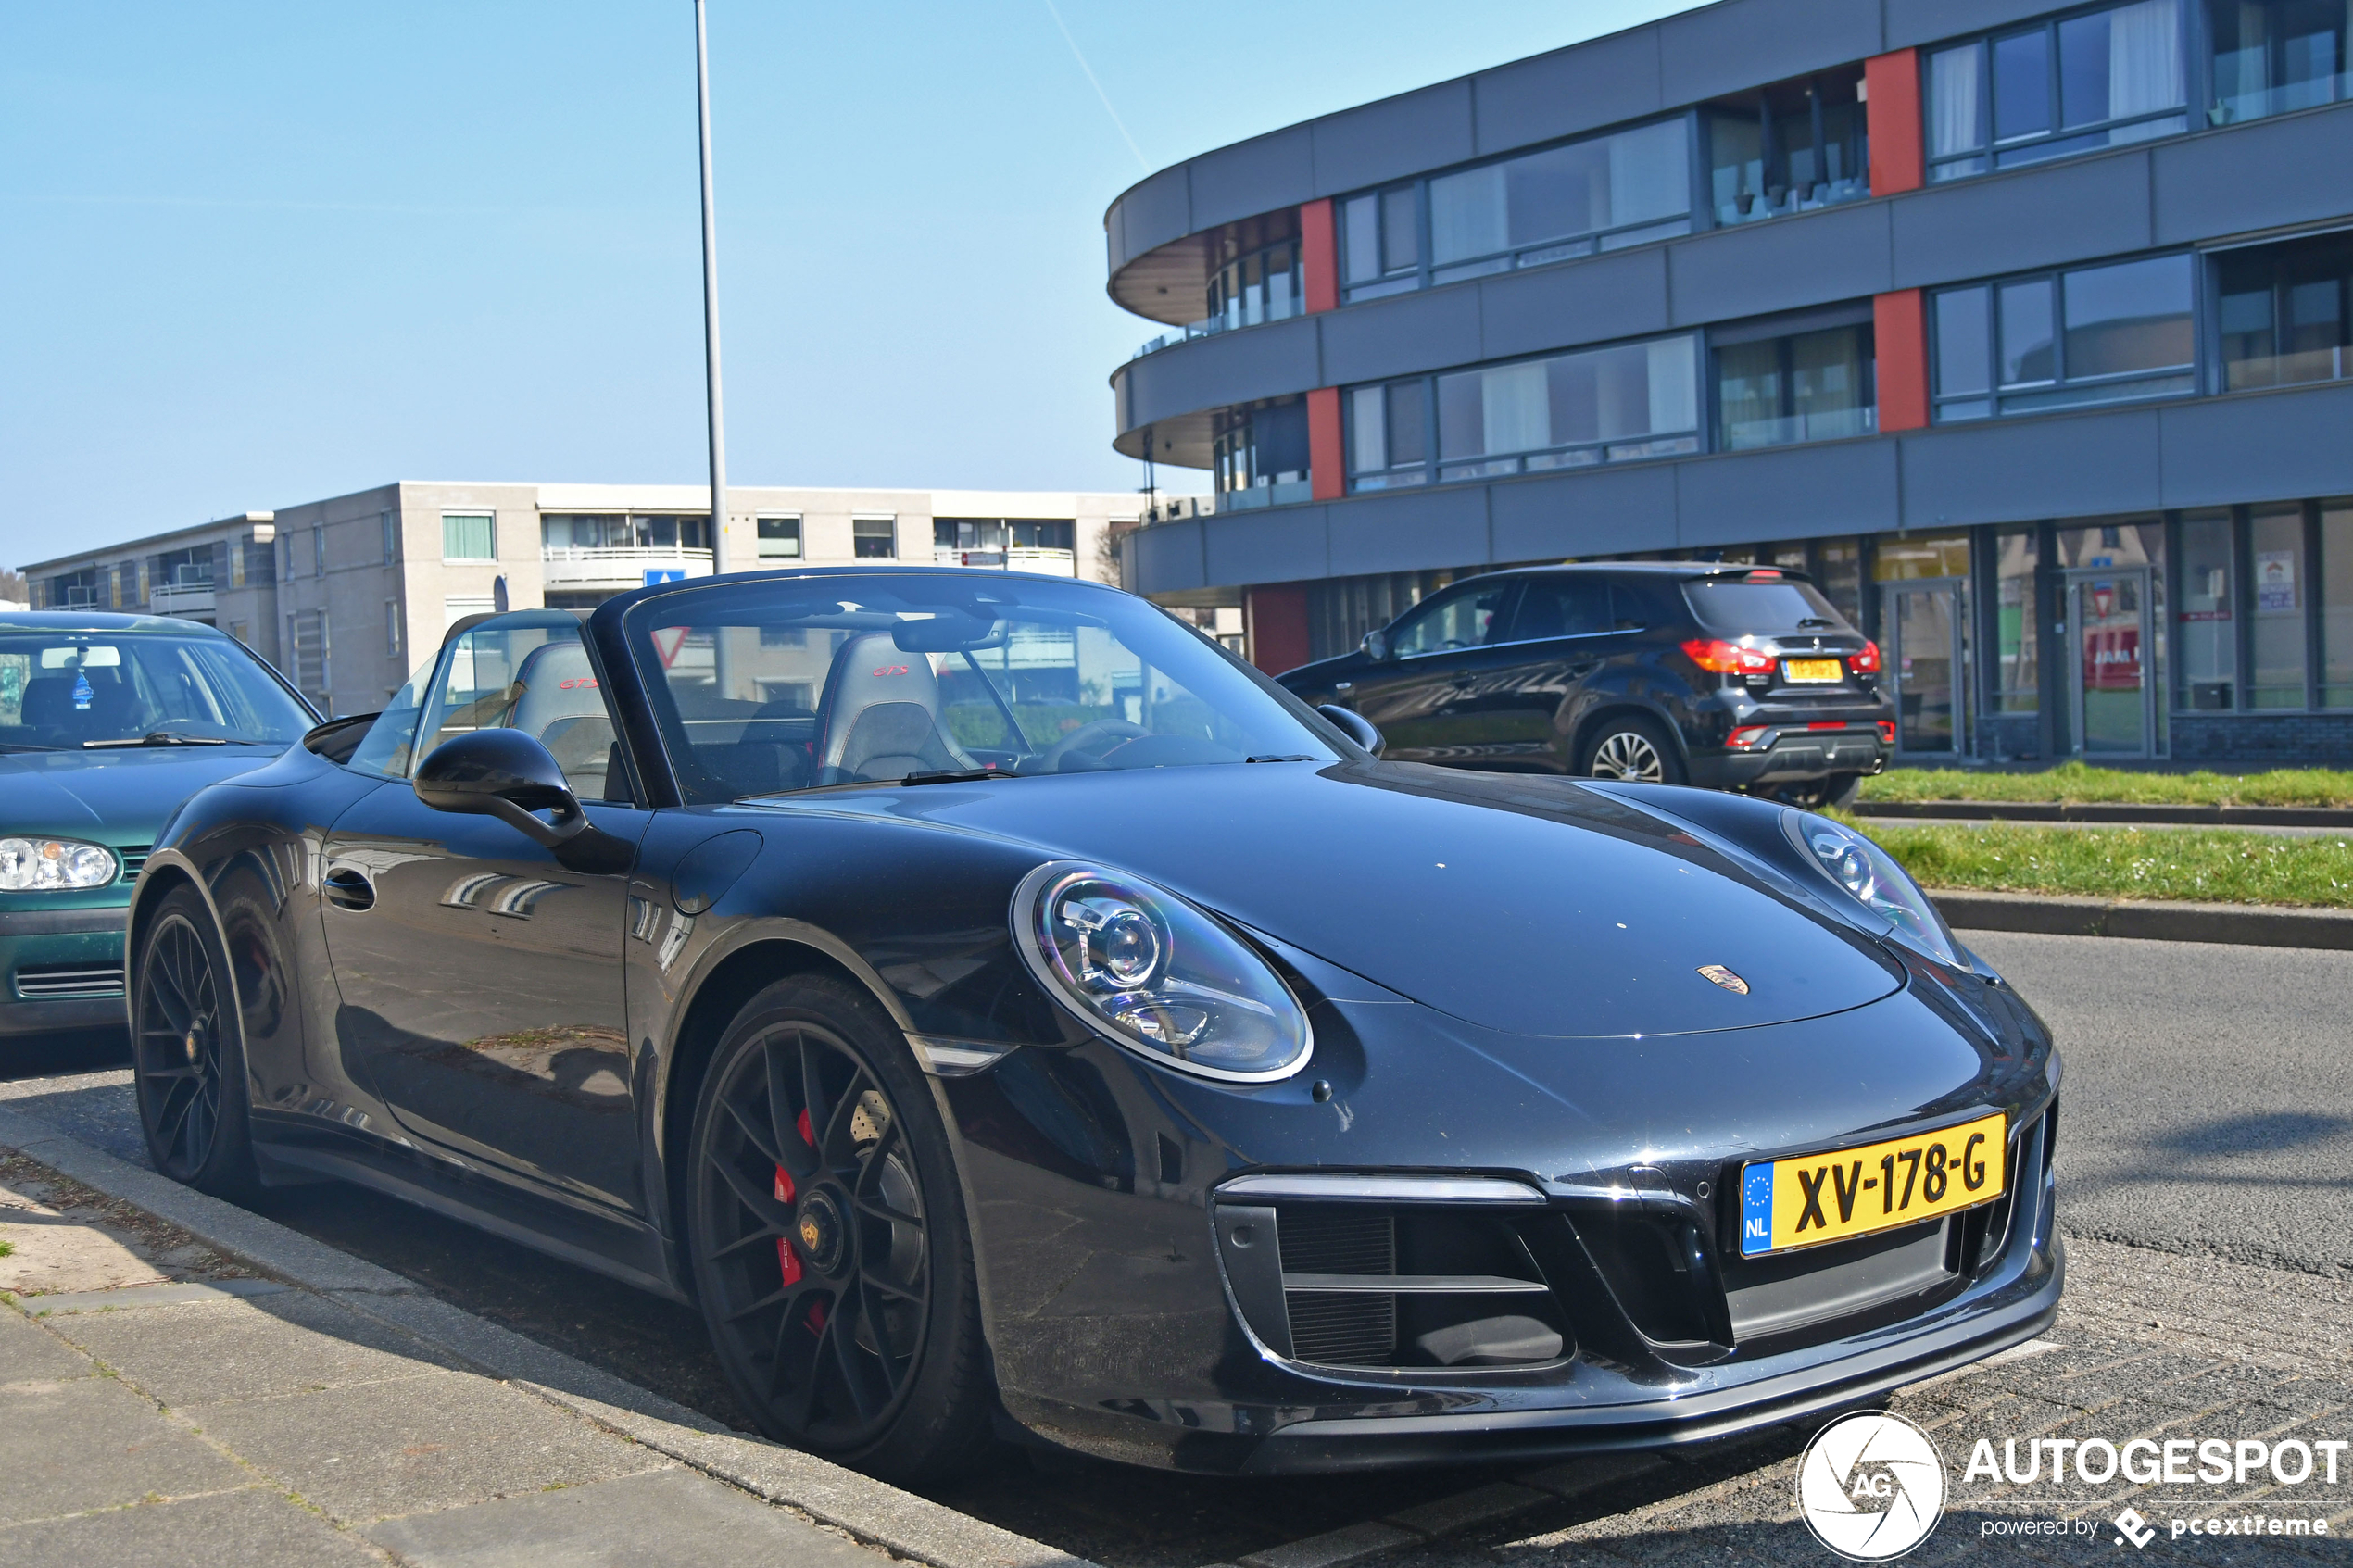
[(1817, 1198), (1814, 668)]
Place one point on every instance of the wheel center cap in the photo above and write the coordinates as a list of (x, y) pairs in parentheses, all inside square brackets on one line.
[(191, 1044), (822, 1232)]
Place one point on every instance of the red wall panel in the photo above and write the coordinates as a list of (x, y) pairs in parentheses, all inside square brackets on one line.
[(1899, 328), (1326, 474), (1318, 256), (1275, 619), (1891, 110)]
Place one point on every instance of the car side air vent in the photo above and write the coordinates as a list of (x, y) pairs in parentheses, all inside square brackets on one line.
[(1392, 1286), (53, 982), (133, 856)]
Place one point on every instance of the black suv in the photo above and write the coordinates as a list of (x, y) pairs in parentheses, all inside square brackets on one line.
[(1668, 671)]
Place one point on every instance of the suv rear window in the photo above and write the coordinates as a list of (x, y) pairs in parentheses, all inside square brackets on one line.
[(1741, 606)]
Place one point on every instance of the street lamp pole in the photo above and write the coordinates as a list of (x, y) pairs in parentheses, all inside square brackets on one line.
[(710, 306)]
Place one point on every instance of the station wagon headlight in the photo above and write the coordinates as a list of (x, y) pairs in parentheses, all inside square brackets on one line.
[(1151, 973), (46, 865), (1870, 875)]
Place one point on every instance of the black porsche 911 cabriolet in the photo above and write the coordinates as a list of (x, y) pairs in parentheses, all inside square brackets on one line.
[(995, 1006)]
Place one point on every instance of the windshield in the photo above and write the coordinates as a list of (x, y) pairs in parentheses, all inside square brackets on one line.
[(796, 683), (63, 691), (1736, 607)]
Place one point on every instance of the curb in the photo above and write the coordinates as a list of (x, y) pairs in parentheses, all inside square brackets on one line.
[(870, 1511), (2252, 925), (2111, 811)]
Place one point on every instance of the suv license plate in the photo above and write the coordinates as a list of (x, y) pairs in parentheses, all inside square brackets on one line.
[(1812, 1199), (1813, 669)]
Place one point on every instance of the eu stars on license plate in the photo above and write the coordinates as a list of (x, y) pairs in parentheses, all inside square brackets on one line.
[(1813, 1198)]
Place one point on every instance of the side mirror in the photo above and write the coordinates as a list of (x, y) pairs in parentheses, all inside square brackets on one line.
[(1354, 725), (507, 774), (1376, 646)]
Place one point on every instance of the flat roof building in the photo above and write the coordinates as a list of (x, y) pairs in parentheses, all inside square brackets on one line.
[(346, 594), (2024, 327)]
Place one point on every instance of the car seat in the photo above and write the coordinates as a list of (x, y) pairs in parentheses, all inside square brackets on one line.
[(881, 715), (560, 706)]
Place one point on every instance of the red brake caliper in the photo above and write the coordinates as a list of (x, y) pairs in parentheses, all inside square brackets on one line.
[(785, 1258)]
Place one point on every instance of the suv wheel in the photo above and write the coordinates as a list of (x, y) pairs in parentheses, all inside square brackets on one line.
[(1837, 791), (1633, 748)]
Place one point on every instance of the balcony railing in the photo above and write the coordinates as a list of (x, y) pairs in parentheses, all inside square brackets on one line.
[(1018, 557), (179, 598), (618, 566)]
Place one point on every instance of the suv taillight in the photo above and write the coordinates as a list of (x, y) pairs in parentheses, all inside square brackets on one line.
[(1715, 655), (1865, 662)]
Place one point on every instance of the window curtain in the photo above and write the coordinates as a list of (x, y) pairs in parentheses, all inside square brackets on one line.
[(1650, 174), (2145, 59), (1512, 408), (1466, 214), (1674, 400), (1957, 92)]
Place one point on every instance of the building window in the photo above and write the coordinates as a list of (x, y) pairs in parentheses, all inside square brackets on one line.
[(1388, 435), (1599, 195), (319, 551), (2018, 672), (390, 522), (874, 538), (1603, 405), (1025, 544), (2097, 79), (1260, 455), (2285, 312), (2096, 334), (780, 538), (392, 627), (2335, 577), (2273, 56), (469, 537), (308, 655), (2209, 623), (1806, 386), (1261, 286), (1794, 147), (1380, 243), (667, 532), (2277, 566)]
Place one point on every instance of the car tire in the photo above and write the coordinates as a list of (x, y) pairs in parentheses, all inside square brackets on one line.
[(827, 1237), (1834, 793), (1630, 747), (188, 1051)]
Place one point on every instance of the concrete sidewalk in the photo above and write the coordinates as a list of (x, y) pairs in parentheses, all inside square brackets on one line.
[(226, 1390)]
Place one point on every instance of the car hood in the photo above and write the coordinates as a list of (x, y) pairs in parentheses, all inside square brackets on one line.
[(119, 798), (1522, 903)]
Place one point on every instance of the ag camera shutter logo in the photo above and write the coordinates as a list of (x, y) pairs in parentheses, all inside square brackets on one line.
[(1872, 1487)]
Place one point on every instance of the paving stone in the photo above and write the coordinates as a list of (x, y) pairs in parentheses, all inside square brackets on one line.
[(30, 1353), (92, 1443), (202, 1354), (1333, 1548), (367, 1452), (252, 1528), (662, 1516), (1477, 1506), (1599, 1473)]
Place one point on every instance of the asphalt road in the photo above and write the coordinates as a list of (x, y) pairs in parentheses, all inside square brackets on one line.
[(2207, 1107), (2207, 1101)]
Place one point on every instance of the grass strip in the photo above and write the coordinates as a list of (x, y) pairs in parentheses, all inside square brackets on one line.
[(2075, 782), (2198, 864)]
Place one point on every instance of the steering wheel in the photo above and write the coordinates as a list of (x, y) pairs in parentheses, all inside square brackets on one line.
[(1080, 740)]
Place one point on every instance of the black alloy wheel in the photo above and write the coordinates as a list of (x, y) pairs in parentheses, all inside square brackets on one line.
[(188, 1056), (827, 1237), (1633, 749)]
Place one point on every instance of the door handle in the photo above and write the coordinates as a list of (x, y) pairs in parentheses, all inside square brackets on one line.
[(349, 889)]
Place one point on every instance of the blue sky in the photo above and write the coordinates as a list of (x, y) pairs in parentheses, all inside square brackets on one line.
[(257, 252)]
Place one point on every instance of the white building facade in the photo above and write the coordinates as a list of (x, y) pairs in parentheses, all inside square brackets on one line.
[(347, 595)]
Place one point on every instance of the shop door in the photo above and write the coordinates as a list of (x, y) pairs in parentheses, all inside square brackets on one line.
[(1926, 657), (2108, 638)]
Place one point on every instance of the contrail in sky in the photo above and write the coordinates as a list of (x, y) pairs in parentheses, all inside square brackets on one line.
[(1055, 12)]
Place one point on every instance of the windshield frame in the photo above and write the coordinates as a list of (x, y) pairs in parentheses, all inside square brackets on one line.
[(192, 634), (620, 632)]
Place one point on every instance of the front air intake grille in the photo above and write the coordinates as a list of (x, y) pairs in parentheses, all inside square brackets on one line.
[(47, 983), (1382, 1285), (133, 856)]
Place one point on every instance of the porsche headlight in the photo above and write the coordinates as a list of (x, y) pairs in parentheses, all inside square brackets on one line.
[(1157, 976), (1868, 875), (46, 865)]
